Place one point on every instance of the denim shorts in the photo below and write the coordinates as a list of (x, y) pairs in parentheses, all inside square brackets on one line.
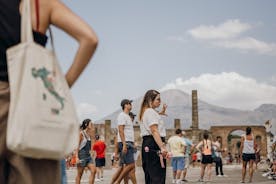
[(178, 163), (85, 160), (128, 157)]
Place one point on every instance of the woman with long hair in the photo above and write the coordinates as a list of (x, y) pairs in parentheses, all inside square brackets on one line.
[(205, 147), (83, 156), (153, 133), (247, 150)]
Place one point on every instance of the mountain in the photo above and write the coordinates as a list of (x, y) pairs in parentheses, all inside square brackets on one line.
[(180, 107)]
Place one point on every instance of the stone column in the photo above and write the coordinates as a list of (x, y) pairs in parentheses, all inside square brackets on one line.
[(194, 110), (177, 124), (107, 132), (107, 139)]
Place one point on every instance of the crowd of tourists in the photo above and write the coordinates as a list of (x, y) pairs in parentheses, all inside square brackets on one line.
[(156, 152)]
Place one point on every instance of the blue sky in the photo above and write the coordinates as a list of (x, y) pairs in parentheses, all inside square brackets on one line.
[(225, 49)]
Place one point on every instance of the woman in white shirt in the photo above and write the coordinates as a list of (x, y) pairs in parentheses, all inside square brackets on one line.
[(153, 133)]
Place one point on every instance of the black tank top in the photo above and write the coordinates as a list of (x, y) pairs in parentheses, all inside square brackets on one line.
[(10, 32)]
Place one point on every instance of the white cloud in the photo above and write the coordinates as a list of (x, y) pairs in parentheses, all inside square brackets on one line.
[(86, 110), (226, 30), (229, 35), (249, 44), (273, 79), (227, 90)]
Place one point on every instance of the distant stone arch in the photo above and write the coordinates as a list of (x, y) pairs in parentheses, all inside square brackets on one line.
[(226, 131)]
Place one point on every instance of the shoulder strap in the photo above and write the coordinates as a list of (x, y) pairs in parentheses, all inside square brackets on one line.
[(37, 14), (84, 134)]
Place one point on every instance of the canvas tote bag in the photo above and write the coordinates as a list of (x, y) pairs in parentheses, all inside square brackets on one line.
[(42, 121)]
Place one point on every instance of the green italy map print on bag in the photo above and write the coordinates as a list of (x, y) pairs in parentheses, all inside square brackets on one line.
[(43, 74)]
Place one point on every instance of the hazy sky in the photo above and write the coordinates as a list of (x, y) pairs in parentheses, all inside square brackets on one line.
[(224, 49)]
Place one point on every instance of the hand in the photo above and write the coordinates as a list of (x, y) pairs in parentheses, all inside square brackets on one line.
[(77, 160), (163, 111), (164, 152), (124, 149), (116, 157)]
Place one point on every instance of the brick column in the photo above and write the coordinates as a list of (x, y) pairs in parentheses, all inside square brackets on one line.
[(177, 124), (194, 110)]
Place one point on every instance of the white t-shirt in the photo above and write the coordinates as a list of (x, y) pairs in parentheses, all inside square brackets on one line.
[(151, 117), (124, 119)]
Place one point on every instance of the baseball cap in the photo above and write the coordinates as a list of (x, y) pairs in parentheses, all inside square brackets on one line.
[(125, 101)]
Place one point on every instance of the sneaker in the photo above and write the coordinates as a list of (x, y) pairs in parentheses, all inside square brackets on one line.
[(102, 179), (97, 180), (200, 180), (224, 175), (265, 174), (219, 175)]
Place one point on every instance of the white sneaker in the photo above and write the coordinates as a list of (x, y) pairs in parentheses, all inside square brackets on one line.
[(219, 175), (102, 179), (200, 180), (97, 180)]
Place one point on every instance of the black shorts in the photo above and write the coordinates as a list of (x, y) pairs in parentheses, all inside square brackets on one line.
[(100, 162), (207, 159), (247, 157)]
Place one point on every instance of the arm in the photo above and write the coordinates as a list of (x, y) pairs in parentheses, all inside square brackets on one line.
[(199, 146), (65, 19), (122, 136), (241, 148), (157, 138)]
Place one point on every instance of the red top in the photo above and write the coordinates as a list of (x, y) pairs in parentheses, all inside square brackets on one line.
[(194, 156), (99, 147)]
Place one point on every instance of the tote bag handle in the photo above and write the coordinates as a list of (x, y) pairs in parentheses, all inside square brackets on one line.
[(26, 22)]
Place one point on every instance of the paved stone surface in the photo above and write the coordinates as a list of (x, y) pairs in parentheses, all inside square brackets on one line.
[(233, 173)]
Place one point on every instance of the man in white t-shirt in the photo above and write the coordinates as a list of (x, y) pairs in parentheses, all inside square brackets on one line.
[(125, 139)]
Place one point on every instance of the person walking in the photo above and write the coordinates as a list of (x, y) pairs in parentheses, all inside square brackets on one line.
[(217, 159), (205, 147), (177, 147), (99, 147), (153, 133), (83, 156), (187, 156), (125, 141), (131, 176), (13, 167), (247, 151)]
